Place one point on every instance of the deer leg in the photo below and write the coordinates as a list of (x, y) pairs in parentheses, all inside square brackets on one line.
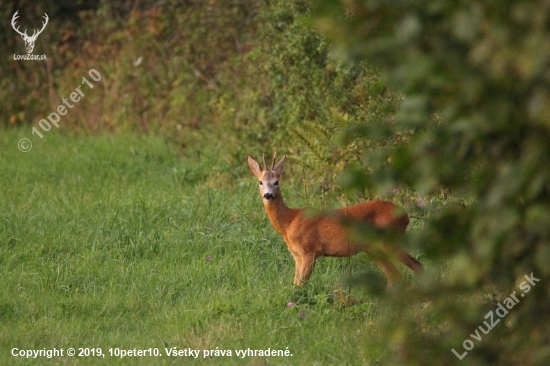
[(305, 269), (389, 270), (403, 257), (382, 259), (297, 266), (409, 261)]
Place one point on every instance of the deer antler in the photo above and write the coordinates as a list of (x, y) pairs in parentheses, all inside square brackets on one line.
[(273, 162), (43, 26), (15, 16), (265, 165), (24, 34)]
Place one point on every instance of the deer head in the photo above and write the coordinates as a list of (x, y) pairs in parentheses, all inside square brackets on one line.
[(268, 177), (29, 40)]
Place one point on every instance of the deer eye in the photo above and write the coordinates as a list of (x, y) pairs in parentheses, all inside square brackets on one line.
[(277, 183), (260, 182)]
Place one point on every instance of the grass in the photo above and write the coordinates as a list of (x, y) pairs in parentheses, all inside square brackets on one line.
[(123, 242)]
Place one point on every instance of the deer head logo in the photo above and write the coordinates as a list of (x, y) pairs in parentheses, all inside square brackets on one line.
[(29, 40)]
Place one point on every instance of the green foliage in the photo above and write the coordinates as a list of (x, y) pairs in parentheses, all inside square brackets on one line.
[(239, 77), (308, 99), (475, 77)]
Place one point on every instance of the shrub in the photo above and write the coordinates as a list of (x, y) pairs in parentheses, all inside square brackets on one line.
[(476, 83)]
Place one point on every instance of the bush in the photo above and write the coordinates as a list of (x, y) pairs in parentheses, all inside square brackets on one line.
[(477, 86)]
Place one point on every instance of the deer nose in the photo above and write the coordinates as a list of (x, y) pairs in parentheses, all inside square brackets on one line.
[(268, 196)]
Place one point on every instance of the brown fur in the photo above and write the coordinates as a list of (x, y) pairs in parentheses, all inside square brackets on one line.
[(309, 236)]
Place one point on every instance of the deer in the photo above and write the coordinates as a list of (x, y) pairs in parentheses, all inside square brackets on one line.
[(309, 236), (29, 40)]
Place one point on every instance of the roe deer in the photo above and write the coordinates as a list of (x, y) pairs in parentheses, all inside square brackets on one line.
[(308, 237)]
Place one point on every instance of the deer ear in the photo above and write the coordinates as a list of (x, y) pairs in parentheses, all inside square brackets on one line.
[(254, 167), (280, 165)]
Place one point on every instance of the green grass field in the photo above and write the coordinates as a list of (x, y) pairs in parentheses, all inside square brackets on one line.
[(123, 243)]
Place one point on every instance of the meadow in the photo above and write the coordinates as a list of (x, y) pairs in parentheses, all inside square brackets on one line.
[(123, 242), (136, 225)]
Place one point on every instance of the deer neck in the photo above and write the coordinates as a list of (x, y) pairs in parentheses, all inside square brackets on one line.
[(279, 214)]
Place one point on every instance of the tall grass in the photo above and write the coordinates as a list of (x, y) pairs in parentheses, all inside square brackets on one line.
[(120, 241)]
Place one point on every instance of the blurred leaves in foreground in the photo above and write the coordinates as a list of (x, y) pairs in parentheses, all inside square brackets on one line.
[(476, 81)]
